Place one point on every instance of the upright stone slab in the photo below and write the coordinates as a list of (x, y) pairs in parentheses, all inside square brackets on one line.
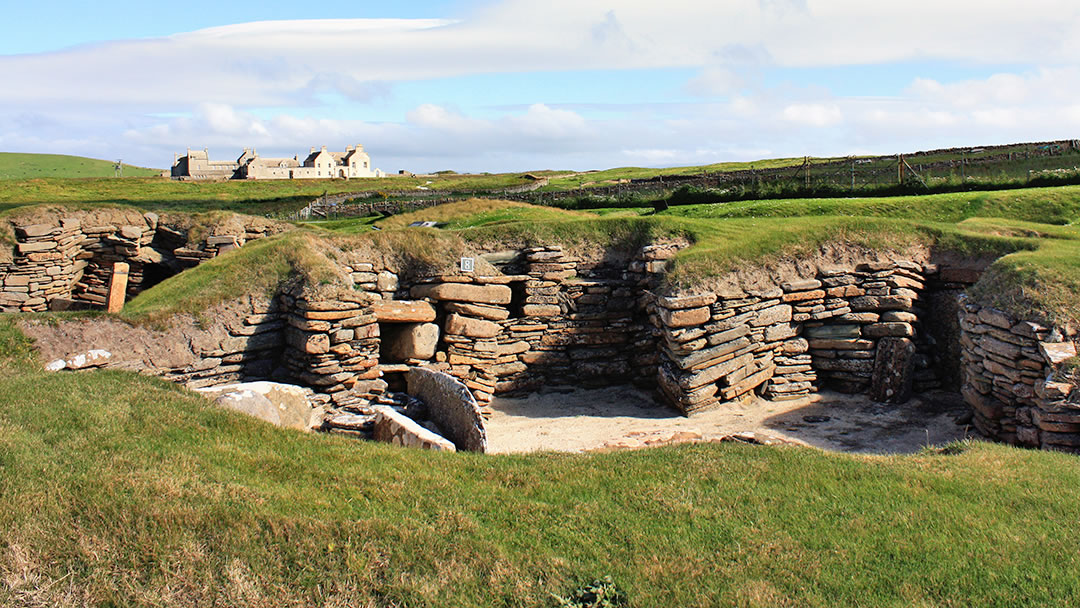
[(894, 367), (451, 406), (117, 287)]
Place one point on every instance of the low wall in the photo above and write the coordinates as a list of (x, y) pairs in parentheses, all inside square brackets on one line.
[(1011, 370), (237, 341), (63, 260)]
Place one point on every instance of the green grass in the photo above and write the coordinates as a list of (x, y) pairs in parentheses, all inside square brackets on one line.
[(563, 181), (15, 165), (1036, 276), (259, 267), (119, 490), (255, 197), (1056, 205)]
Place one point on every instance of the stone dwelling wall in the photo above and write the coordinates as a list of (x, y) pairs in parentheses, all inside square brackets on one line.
[(884, 328), (61, 261), (865, 329), (1011, 380)]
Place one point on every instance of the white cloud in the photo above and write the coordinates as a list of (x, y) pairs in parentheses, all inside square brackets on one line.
[(284, 62), (813, 114), (106, 99)]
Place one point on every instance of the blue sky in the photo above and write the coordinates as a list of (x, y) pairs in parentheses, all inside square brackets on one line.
[(510, 85)]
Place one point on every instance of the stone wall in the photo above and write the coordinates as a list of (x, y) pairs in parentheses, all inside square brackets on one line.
[(237, 341), (65, 260), (854, 330), (1013, 381), (332, 343), (885, 329)]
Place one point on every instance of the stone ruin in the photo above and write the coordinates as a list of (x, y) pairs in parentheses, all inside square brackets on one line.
[(545, 316), (65, 261)]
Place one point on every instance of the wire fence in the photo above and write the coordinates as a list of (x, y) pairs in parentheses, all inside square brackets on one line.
[(929, 171)]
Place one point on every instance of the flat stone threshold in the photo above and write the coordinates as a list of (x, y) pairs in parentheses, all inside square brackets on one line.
[(568, 419)]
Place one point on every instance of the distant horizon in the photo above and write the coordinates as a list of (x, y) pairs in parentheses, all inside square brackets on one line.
[(391, 173), (499, 86)]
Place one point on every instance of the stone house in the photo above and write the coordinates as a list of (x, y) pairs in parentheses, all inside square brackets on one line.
[(319, 164)]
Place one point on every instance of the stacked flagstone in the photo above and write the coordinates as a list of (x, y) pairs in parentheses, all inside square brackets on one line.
[(1014, 379), (855, 330), (332, 344), (67, 259)]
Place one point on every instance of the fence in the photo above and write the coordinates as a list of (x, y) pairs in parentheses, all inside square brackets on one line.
[(956, 168)]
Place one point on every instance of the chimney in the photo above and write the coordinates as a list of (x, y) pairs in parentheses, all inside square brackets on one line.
[(312, 149), (323, 149)]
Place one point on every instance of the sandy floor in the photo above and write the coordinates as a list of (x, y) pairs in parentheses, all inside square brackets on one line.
[(574, 420)]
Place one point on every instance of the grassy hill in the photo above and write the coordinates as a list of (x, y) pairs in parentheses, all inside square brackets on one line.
[(121, 490), (17, 165)]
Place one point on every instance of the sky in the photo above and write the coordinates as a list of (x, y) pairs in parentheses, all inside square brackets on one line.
[(515, 85)]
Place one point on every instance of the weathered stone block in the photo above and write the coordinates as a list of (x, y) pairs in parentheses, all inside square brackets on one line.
[(685, 317), (801, 285), (404, 311), (410, 341), (682, 302), (832, 331), (398, 429), (1056, 353), (483, 311), (541, 310), (996, 318), (802, 296), (878, 330), (780, 313), (460, 292), (894, 369), (386, 281), (451, 406), (474, 328)]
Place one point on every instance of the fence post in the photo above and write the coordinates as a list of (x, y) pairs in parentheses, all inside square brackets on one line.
[(853, 174)]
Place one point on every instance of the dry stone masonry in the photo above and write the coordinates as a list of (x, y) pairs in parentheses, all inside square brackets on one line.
[(855, 330), (63, 261), (383, 352), (1014, 382)]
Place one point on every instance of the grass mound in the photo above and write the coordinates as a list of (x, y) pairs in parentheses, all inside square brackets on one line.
[(17, 165), (123, 490)]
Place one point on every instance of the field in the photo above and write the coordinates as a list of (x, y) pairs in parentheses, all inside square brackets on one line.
[(121, 490), (29, 166)]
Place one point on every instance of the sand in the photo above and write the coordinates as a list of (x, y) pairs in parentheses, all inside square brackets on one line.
[(568, 419)]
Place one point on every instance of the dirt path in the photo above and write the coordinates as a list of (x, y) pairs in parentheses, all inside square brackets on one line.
[(575, 420)]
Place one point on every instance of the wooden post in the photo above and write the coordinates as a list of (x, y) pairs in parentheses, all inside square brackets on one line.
[(117, 287)]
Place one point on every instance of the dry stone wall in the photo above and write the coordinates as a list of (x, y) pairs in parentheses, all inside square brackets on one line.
[(855, 330), (886, 329), (1014, 381), (65, 260)]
